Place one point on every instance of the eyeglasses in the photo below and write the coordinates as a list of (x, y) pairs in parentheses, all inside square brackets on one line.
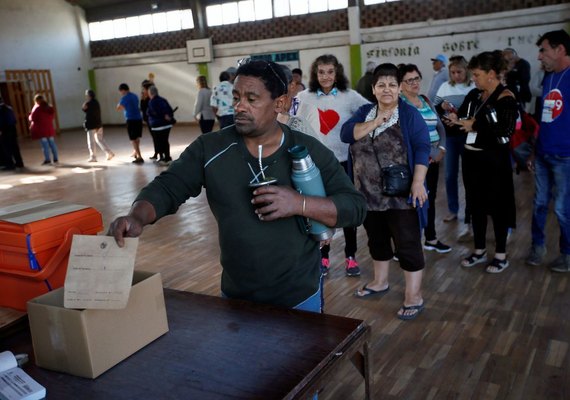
[(268, 64), (411, 81)]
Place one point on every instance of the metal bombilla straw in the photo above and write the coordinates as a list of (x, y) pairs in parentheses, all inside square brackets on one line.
[(260, 154)]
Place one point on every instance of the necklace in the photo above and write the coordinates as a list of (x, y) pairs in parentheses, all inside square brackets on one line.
[(386, 114)]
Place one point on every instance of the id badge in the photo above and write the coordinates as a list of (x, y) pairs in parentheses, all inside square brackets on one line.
[(471, 137), (547, 110)]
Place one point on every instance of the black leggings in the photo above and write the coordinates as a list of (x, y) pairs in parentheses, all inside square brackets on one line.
[(432, 178), (206, 125), (162, 144), (349, 234), (500, 227)]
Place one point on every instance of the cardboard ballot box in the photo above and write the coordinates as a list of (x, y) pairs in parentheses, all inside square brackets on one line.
[(88, 342), (35, 238)]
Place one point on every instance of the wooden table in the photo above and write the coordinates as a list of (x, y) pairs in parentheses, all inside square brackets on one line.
[(221, 349)]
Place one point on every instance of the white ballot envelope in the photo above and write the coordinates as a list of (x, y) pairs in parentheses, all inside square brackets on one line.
[(99, 272)]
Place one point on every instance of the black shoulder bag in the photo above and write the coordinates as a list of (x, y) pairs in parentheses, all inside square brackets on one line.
[(396, 179)]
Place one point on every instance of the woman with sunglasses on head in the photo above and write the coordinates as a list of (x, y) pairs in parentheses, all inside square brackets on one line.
[(488, 115), (391, 133), (411, 78), (326, 105), (449, 98)]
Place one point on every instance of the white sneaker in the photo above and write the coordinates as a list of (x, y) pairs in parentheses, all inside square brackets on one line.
[(110, 155), (92, 159)]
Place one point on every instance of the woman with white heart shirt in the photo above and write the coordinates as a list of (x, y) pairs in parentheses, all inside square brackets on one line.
[(326, 105)]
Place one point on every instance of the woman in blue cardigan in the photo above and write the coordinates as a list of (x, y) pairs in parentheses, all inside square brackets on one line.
[(391, 132), (160, 120)]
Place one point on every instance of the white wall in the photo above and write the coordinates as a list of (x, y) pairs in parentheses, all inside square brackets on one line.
[(176, 82), (418, 43), (40, 34)]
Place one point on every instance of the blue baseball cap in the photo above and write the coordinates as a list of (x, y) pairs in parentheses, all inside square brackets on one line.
[(440, 57)]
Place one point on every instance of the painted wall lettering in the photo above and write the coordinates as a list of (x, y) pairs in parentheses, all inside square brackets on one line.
[(378, 52), (461, 45)]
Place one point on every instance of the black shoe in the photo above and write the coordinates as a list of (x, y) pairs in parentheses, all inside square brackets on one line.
[(438, 246), (46, 162), (138, 161), (154, 157)]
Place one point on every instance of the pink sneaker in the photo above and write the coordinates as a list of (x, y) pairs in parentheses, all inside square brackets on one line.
[(352, 267), (325, 264)]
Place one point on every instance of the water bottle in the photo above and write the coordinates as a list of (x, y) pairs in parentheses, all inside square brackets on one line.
[(307, 180)]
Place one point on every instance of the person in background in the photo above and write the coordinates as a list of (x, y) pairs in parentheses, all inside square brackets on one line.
[(145, 98), (160, 120), (517, 77), (536, 86), (326, 105), (488, 115), (298, 77), (232, 74), (364, 85), (41, 127), (203, 113), (9, 148), (296, 85), (129, 104), (294, 122), (391, 132), (551, 164), (441, 75), (411, 78), (94, 127), (270, 260), (221, 101), (449, 98)]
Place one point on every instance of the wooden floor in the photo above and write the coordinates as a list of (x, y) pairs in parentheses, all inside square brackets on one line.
[(481, 336)]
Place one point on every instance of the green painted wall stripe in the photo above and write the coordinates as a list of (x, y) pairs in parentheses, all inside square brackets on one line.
[(92, 81), (203, 69), (355, 64)]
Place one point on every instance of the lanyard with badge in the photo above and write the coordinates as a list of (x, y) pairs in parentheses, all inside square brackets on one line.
[(472, 135), (553, 102)]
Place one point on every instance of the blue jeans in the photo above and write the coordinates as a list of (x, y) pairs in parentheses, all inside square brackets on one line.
[(552, 179), (47, 144), (454, 150), (314, 303)]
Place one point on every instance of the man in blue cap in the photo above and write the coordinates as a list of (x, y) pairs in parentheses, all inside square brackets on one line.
[(441, 75)]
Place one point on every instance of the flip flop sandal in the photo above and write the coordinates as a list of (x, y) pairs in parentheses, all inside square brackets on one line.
[(417, 308), (474, 259), (499, 265), (370, 292)]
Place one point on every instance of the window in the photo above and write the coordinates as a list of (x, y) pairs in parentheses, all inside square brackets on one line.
[(238, 11), (369, 2), (281, 8), (230, 13), (173, 21), (141, 25), (119, 28), (146, 24), (133, 26), (300, 7), (159, 22), (246, 11)]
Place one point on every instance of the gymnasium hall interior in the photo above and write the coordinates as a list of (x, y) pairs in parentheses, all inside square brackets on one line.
[(481, 336)]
